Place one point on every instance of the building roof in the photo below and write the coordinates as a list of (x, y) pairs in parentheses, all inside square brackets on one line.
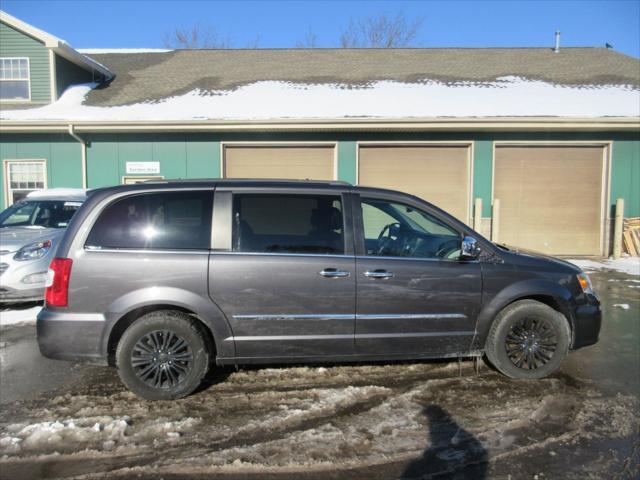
[(198, 88), (56, 44), (152, 76)]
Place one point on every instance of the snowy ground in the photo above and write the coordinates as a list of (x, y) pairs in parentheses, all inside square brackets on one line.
[(630, 265), (17, 314), (405, 420)]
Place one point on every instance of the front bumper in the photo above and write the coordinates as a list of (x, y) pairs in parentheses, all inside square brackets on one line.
[(71, 336), (587, 322), (12, 295), (13, 273)]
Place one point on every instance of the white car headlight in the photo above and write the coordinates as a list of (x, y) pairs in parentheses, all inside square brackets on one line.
[(33, 251)]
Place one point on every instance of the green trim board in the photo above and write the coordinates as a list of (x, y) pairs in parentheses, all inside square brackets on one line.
[(483, 174), (347, 161), (625, 176)]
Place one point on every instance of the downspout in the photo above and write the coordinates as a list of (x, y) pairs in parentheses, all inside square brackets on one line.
[(84, 154)]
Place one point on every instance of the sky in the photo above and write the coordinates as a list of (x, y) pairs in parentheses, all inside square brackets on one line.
[(281, 24)]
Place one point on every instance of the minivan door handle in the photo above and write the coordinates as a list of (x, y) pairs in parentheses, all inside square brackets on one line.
[(378, 274), (333, 273)]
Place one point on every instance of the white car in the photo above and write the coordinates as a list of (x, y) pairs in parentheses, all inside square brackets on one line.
[(29, 233)]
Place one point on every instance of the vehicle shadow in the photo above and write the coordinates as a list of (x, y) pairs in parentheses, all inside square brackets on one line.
[(453, 452)]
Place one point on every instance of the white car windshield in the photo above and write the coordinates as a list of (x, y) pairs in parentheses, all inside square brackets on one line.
[(39, 214)]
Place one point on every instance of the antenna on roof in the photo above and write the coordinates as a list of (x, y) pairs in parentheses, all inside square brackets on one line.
[(557, 49)]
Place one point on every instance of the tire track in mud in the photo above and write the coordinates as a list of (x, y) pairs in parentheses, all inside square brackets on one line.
[(251, 400), (77, 466)]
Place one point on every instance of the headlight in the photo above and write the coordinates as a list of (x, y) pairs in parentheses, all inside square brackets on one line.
[(585, 282), (33, 251)]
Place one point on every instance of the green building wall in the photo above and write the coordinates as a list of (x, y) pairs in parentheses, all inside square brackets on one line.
[(16, 44), (197, 155), (68, 73)]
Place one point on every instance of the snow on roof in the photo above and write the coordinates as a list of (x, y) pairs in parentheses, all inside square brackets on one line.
[(59, 193), (505, 97), (95, 51)]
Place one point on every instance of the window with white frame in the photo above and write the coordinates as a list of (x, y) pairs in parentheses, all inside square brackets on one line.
[(14, 79), (24, 177)]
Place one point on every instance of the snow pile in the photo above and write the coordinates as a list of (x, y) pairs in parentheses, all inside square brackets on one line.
[(63, 435), (629, 265), (623, 306), (91, 433), (504, 97), (12, 317)]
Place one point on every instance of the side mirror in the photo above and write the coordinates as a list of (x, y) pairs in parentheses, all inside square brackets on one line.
[(470, 249)]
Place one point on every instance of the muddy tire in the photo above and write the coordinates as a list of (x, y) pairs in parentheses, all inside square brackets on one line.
[(163, 355), (528, 339)]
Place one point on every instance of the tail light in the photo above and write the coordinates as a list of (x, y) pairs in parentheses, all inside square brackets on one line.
[(57, 292)]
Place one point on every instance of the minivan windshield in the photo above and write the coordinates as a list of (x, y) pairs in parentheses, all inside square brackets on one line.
[(39, 213)]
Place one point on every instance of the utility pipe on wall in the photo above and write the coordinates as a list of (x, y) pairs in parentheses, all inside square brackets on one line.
[(84, 154)]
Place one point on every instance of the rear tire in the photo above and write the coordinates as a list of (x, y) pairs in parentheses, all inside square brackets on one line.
[(163, 355), (528, 339)]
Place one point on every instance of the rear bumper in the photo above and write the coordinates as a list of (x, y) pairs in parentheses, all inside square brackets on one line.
[(75, 337), (587, 322)]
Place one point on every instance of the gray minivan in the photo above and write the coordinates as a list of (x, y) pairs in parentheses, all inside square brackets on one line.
[(167, 279)]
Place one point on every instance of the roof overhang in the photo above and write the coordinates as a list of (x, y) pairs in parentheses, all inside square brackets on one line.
[(335, 125), (56, 44)]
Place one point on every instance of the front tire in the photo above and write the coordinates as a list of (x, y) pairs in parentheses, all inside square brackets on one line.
[(528, 339), (163, 355)]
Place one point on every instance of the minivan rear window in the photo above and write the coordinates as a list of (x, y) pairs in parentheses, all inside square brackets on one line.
[(166, 220), (288, 223)]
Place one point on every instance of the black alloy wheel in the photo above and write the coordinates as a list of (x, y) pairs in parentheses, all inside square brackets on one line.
[(161, 359), (531, 343)]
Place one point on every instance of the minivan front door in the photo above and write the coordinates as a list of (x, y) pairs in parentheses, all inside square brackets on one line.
[(413, 295), (287, 284)]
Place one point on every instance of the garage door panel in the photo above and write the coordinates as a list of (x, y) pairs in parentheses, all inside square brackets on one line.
[(286, 162), (550, 197), (438, 174)]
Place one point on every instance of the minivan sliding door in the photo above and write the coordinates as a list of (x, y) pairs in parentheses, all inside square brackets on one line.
[(284, 276)]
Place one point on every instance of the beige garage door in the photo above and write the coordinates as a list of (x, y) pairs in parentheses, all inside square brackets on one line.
[(550, 197), (438, 174), (290, 162)]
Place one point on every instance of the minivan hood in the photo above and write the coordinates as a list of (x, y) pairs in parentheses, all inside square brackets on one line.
[(13, 239), (531, 256)]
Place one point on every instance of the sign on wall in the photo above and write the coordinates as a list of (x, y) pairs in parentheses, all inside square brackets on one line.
[(142, 168)]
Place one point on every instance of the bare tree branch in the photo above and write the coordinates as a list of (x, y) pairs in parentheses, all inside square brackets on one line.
[(310, 40), (196, 36), (380, 31), (254, 44)]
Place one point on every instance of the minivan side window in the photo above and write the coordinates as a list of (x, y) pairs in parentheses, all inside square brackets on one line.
[(163, 220), (288, 223), (393, 229)]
